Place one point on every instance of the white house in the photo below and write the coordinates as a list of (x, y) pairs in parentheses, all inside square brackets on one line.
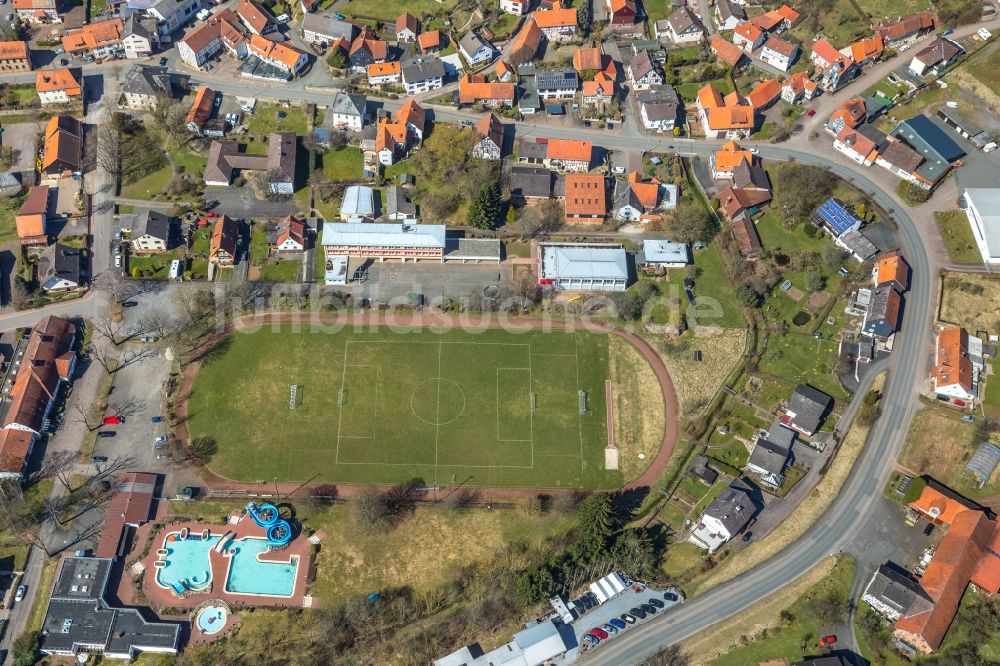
[(683, 27), (422, 74), (516, 7), (140, 37), (475, 49), (149, 232), (982, 207), (348, 112), (170, 15), (724, 517), (665, 254), (658, 108), (779, 53), (748, 36), (856, 146), (643, 72), (958, 363)]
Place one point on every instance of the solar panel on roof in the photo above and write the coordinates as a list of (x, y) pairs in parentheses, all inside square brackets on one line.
[(836, 216)]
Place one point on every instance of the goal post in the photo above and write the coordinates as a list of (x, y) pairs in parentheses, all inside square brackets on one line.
[(293, 396)]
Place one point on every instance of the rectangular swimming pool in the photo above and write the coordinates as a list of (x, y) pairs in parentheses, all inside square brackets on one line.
[(250, 575)]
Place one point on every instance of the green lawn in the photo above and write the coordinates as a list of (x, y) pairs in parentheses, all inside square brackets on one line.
[(689, 91), (287, 270), (891, 9), (657, 9), (258, 244), (799, 357), (96, 7), (415, 405), (150, 185), (388, 10), (25, 94), (986, 68), (157, 266), (343, 164), (504, 26), (265, 120), (716, 304), (991, 397), (800, 637), (189, 161), (958, 239), (8, 211), (840, 23)]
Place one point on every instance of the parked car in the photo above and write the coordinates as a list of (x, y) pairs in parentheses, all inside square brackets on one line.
[(670, 596), (105, 433), (638, 612), (610, 125), (746, 537), (943, 398), (609, 629), (650, 610), (947, 32), (163, 62), (160, 439), (928, 529), (828, 640), (810, 113), (616, 623), (653, 601), (629, 619), (147, 338), (599, 634), (98, 459), (969, 417), (590, 640), (156, 419), (113, 419), (904, 47), (959, 403), (339, 16), (118, 261), (19, 595)]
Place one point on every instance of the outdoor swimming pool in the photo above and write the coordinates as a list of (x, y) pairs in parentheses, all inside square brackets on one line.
[(187, 565), (253, 576)]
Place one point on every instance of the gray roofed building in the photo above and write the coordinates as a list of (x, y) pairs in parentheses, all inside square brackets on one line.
[(421, 68), (530, 151), (682, 23), (543, 641), (982, 208), (658, 252), (625, 198), (932, 143), (748, 176), (699, 468), (983, 462), (377, 234), (724, 517), (860, 246), (316, 27), (80, 619), (730, 13), (530, 183), (551, 80), (659, 106), (881, 318), (151, 223), (358, 203), (893, 593), (939, 53), (474, 48), (806, 409), (873, 133), (901, 156), (148, 81), (140, 27), (398, 205), (584, 266), (348, 104), (59, 268), (224, 158), (770, 455)]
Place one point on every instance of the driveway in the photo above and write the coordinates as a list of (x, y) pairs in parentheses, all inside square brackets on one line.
[(241, 203)]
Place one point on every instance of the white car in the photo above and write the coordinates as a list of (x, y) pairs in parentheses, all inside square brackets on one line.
[(118, 261), (904, 47), (160, 439), (19, 595), (283, 18)]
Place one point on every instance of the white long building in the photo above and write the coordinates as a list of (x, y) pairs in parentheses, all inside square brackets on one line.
[(583, 266), (982, 207)]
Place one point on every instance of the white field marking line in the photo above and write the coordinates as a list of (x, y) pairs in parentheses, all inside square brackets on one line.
[(437, 414), (340, 417), (579, 416), (377, 367), (449, 342), (378, 372), (499, 438), (531, 412), (557, 355), (423, 464)]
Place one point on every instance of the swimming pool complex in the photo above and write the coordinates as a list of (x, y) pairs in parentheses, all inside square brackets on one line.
[(187, 565)]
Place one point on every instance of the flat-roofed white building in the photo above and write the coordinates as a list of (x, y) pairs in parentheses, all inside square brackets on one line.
[(982, 207), (382, 241), (583, 266)]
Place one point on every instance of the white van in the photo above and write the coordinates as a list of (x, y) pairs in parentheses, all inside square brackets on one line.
[(175, 269)]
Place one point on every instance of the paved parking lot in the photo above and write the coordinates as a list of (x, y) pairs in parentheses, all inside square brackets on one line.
[(392, 282), (20, 138), (613, 608)]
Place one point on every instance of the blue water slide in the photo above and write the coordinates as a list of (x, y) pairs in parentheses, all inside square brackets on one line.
[(279, 534), (264, 515)]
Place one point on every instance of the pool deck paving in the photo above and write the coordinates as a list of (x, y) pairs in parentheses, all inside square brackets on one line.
[(160, 598)]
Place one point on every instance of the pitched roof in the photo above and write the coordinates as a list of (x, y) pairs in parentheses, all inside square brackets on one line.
[(406, 21), (66, 79), (825, 50), (746, 236), (779, 45), (573, 150), (474, 87), (748, 31), (554, 18), (429, 40), (471, 43), (788, 14), (726, 51), (225, 235), (731, 117), (734, 200), (641, 65), (94, 35), (940, 50), (531, 182), (132, 504), (421, 68), (63, 143), (852, 111), (648, 193), (709, 97), (59, 262), (378, 48), (588, 58), (901, 156), (13, 50), (292, 228), (798, 82), (223, 25), (411, 113), (750, 176), (987, 572), (585, 194), (30, 218), (906, 26), (151, 223), (870, 47), (15, 445), (256, 17), (390, 68), (809, 405), (280, 52), (490, 127), (767, 21), (858, 142), (398, 202), (952, 365), (201, 106), (38, 376), (764, 93), (730, 155), (683, 19), (151, 81), (526, 43), (733, 507), (602, 86), (892, 268)]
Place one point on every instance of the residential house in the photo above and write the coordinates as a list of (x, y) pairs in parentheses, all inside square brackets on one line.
[(823, 54), (515, 7), (348, 112), (849, 115), (798, 86), (169, 15), (806, 410), (407, 27), (779, 53), (534, 151), (475, 49), (558, 25), (398, 206), (32, 218), (763, 95), (318, 29), (58, 268), (749, 176), (937, 152), (489, 131), (101, 39), (725, 160), (633, 198), (59, 86), (62, 147), (724, 118), (776, 20), (865, 51), (770, 455), (726, 52), (958, 364), (748, 37), (624, 17), (745, 234), (474, 89), (936, 57), (586, 198), (891, 269), (430, 42), (684, 27), (599, 91), (414, 118), (906, 29), (583, 266), (724, 517), (14, 57), (835, 68), (881, 319), (257, 20), (643, 72), (859, 246), (729, 14), (737, 203), (225, 159), (556, 83), (140, 37), (391, 141), (221, 30), (276, 54), (37, 11), (525, 44), (699, 467), (657, 254), (856, 146), (366, 50), (422, 74), (659, 107), (892, 592), (144, 85), (151, 232), (225, 238), (380, 73), (569, 155), (530, 183), (834, 217), (291, 236)]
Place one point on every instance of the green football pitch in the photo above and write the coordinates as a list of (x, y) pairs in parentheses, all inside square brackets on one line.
[(484, 408)]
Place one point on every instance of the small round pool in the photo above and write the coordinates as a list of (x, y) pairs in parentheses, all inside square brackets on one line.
[(212, 619)]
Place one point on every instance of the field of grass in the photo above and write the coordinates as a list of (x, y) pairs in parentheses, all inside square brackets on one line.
[(689, 91), (839, 22), (265, 119), (388, 10), (985, 68), (343, 164), (722, 350), (158, 265), (890, 9), (717, 304), (149, 185), (957, 235), (189, 162), (991, 397), (8, 212), (286, 270), (382, 406), (971, 300), (798, 357)]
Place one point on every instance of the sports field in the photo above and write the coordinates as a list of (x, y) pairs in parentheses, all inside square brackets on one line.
[(488, 408)]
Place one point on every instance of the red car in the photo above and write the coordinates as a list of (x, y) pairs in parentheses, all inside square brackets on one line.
[(959, 403), (828, 640), (810, 113), (211, 214), (599, 634), (111, 420)]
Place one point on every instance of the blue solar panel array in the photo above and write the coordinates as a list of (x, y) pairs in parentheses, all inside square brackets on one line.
[(835, 216)]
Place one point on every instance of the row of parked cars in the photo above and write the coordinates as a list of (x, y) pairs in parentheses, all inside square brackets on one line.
[(653, 605)]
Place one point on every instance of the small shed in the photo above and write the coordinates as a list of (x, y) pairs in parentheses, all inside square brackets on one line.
[(983, 462)]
